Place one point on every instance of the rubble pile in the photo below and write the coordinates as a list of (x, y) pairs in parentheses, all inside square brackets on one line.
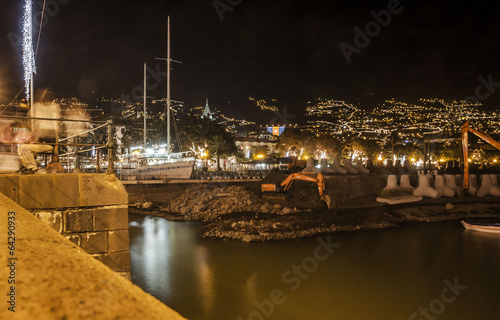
[(203, 203)]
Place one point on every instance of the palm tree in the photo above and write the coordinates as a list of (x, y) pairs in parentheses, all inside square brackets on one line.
[(217, 143)]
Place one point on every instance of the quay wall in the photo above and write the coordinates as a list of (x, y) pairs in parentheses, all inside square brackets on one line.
[(52, 278), (91, 210), (342, 189)]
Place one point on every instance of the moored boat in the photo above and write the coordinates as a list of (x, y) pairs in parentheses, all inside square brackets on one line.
[(482, 227)]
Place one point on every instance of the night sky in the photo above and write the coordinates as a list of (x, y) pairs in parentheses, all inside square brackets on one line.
[(289, 50)]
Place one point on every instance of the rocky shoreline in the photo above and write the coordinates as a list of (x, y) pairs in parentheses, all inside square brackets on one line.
[(234, 213)]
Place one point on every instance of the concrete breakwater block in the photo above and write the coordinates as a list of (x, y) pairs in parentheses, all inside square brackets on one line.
[(472, 184), (424, 189), (440, 186), (487, 187), (348, 166), (495, 188), (324, 167), (394, 194), (361, 169), (310, 167), (430, 177), (405, 182), (450, 182), (337, 168), (399, 200)]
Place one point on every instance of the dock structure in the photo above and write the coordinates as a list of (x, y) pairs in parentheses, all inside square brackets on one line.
[(54, 278), (91, 210)]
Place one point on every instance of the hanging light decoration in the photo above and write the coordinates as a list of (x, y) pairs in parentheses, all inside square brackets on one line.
[(28, 55)]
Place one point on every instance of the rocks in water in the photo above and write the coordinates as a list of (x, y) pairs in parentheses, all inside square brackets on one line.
[(201, 202), (250, 238), (287, 210)]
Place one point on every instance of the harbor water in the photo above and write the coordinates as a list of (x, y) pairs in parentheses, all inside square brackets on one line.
[(418, 271)]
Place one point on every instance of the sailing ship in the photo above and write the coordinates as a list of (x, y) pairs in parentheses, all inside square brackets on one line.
[(161, 163)]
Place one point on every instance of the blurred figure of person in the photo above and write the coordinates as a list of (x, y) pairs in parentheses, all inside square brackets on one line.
[(6, 137), (27, 151), (9, 161)]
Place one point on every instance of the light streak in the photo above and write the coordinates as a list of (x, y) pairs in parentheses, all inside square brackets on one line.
[(28, 55)]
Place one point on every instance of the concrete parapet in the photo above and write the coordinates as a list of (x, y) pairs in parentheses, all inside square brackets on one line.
[(55, 279), (101, 190), (9, 186), (43, 191)]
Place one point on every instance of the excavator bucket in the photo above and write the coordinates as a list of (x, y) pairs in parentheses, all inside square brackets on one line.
[(326, 198)]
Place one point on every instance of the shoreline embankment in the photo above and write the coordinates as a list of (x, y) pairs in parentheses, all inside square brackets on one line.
[(242, 212)]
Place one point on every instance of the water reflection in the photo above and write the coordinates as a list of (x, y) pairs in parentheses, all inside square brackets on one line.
[(373, 275), (205, 279)]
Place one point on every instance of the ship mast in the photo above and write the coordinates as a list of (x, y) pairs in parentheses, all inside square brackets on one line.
[(169, 100), (169, 59), (145, 71)]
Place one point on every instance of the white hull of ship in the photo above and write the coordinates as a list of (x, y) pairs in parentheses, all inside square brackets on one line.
[(174, 170)]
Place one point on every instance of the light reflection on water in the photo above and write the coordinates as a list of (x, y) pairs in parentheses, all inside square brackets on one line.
[(384, 274)]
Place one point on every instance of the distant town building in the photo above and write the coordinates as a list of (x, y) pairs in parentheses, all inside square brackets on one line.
[(253, 142), (207, 113)]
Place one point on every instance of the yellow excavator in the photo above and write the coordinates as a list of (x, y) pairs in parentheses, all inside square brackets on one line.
[(465, 147), (305, 176)]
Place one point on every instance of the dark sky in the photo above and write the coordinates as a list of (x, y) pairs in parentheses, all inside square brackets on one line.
[(287, 49)]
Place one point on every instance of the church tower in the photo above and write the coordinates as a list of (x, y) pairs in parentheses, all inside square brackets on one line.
[(207, 113)]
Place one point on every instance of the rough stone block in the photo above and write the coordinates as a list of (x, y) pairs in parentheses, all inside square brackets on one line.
[(117, 261), (98, 257), (110, 218), (95, 242), (126, 275), (75, 238), (52, 219), (78, 221), (118, 241), (9, 186), (101, 190), (43, 191)]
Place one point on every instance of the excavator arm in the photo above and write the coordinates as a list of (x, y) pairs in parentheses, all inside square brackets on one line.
[(319, 180), (465, 147), (299, 176)]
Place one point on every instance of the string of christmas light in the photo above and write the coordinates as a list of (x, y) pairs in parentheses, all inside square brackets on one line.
[(28, 55)]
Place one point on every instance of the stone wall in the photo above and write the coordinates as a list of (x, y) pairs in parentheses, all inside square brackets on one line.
[(102, 232), (91, 210), (55, 279)]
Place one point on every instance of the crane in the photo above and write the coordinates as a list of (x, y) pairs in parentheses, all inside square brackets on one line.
[(465, 147)]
